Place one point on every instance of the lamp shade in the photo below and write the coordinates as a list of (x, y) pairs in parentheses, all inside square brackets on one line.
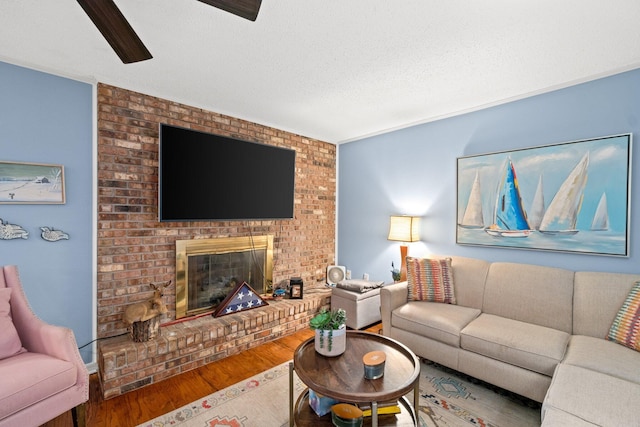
[(404, 228)]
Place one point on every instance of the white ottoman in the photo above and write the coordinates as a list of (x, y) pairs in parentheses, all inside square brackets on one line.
[(363, 309)]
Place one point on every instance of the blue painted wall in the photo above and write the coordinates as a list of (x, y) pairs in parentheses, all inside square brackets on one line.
[(49, 119), (413, 171)]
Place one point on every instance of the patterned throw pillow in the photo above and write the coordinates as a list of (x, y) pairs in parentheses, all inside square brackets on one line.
[(625, 329), (430, 280)]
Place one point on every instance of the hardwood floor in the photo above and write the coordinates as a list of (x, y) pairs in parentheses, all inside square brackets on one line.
[(146, 403)]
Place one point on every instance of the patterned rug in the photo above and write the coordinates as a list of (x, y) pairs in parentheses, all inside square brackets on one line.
[(447, 399)]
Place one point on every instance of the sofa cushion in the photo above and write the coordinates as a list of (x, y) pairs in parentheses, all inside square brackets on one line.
[(29, 378), (603, 356), (596, 300), (554, 417), (625, 329), (10, 343), (530, 293), (441, 322), (430, 280), (593, 396), (469, 275), (526, 345)]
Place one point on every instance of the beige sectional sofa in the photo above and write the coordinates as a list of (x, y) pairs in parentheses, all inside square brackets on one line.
[(537, 331)]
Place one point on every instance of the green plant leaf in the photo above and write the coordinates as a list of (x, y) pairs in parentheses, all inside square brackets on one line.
[(330, 320)]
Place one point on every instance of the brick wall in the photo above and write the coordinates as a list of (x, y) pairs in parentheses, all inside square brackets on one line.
[(135, 249)]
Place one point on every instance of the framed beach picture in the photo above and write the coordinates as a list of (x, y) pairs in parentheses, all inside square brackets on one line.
[(569, 197), (31, 183)]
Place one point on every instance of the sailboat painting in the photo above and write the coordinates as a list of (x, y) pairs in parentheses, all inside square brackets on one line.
[(561, 216), (601, 217), (509, 216), (581, 205), (473, 217), (537, 206)]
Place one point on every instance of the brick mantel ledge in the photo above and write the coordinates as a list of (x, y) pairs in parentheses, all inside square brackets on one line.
[(124, 365)]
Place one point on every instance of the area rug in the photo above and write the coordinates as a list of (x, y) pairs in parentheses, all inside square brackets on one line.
[(447, 399)]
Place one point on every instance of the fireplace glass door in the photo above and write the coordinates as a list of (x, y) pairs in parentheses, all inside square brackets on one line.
[(207, 270), (212, 277)]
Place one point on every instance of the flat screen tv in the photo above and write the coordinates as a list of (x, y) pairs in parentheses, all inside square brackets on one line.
[(207, 177)]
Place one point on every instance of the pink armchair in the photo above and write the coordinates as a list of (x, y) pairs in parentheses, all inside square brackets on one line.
[(41, 372)]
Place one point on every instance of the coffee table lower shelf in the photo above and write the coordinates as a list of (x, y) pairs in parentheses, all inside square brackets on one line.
[(304, 415)]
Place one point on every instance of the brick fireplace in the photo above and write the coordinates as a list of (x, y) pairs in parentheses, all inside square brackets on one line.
[(207, 270), (135, 249)]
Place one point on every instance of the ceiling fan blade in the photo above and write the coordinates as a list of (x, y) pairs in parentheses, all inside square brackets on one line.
[(247, 9), (116, 30)]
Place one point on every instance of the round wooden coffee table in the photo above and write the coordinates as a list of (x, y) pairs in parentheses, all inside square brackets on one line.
[(342, 378)]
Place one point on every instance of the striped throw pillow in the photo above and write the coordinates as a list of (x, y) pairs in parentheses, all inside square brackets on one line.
[(625, 329), (430, 280)]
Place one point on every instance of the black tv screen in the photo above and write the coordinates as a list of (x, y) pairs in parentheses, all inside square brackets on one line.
[(203, 177)]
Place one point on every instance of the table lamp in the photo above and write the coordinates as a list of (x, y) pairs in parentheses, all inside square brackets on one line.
[(404, 228)]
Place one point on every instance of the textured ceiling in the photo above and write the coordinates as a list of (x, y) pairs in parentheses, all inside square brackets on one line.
[(336, 70)]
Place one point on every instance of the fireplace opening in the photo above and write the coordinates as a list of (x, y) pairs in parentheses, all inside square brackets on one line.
[(207, 270)]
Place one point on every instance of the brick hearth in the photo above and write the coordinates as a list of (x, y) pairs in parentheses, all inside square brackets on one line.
[(125, 365)]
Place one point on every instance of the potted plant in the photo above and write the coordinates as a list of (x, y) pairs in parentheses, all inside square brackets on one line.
[(331, 331)]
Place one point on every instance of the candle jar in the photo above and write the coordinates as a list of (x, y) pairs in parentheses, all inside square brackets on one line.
[(374, 364), (346, 415)]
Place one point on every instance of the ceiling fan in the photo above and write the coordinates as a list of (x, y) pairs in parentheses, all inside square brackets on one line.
[(123, 39)]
